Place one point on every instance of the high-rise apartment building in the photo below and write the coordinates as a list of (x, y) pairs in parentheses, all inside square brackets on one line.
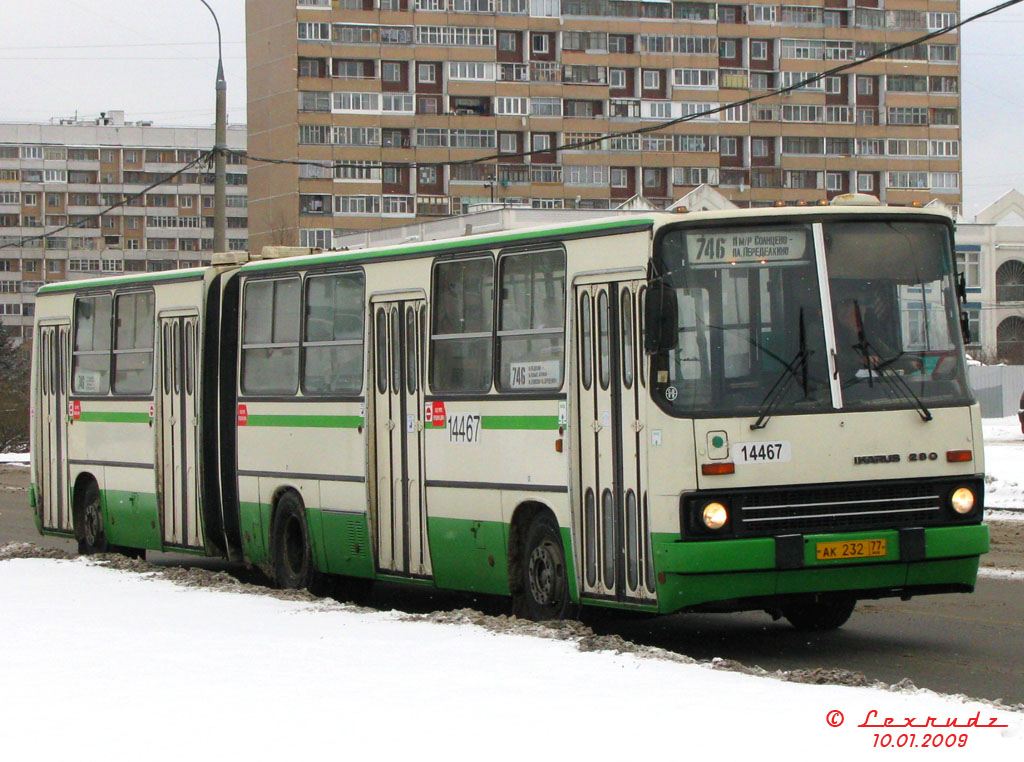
[(393, 97), (69, 172)]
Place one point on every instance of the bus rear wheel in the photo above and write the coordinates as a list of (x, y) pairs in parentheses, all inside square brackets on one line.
[(292, 550), (827, 612), (89, 521), (544, 586)]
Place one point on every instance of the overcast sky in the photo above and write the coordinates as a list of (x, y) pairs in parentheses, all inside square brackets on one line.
[(156, 59)]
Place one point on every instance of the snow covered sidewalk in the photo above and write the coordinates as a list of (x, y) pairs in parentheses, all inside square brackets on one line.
[(96, 662)]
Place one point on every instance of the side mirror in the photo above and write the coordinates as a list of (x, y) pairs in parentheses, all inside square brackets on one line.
[(661, 319), (961, 287)]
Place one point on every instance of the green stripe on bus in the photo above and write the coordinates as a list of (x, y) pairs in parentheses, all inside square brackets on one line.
[(307, 421), (519, 422), (496, 239), (194, 273), (115, 417)]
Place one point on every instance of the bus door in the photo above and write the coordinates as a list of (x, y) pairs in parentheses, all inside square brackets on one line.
[(178, 429), (399, 495), (54, 375), (611, 388)]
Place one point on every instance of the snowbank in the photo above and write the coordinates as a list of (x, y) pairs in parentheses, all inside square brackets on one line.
[(96, 662)]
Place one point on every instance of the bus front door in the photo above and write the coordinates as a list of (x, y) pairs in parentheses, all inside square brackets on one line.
[(53, 377), (178, 427), (399, 497), (611, 388)]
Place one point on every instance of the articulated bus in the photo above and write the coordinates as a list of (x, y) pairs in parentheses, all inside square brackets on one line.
[(712, 411)]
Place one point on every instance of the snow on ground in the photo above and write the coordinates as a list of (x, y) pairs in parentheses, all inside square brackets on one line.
[(96, 662), (14, 458), (1004, 463)]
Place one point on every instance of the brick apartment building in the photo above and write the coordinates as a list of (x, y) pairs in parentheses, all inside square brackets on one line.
[(393, 90), (68, 171)]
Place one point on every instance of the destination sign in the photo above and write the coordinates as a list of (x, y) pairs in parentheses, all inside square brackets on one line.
[(707, 248)]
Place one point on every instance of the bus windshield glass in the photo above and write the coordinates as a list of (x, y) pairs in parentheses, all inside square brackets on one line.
[(751, 336), (895, 312), (750, 331)]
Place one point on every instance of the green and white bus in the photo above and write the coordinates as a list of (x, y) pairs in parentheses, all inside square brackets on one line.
[(755, 409)]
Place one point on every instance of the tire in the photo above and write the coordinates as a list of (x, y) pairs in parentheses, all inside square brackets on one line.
[(828, 612), (292, 550), (89, 522), (543, 593)]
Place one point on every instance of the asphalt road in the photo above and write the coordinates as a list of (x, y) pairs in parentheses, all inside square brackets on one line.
[(970, 644)]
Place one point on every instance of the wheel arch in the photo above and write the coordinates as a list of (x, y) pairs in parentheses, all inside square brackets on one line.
[(82, 481), (522, 515)]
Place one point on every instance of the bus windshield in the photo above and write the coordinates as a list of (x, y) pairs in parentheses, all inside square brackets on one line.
[(751, 333), (896, 317)]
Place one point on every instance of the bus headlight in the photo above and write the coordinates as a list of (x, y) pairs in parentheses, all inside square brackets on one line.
[(962, 500), (715, 516)]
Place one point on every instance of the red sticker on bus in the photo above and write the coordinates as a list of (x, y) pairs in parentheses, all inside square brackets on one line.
[(243, 415), (76, 409), (437, 415)]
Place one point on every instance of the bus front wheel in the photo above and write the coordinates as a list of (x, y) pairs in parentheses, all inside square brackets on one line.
[(544, 587), (827, 612), (293, 552)]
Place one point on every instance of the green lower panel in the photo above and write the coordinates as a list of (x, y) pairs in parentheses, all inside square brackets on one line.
[(254, 543), (131, 519), (469, 555), (32, 496), (570, 566), (346, 543), (711, 571)]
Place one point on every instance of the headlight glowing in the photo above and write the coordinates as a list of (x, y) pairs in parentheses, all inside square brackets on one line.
[(962, 500), (714, 515)]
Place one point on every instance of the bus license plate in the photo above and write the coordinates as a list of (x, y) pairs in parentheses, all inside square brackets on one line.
[(838, 551)]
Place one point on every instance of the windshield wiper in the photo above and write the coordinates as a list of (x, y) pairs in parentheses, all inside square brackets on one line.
[(785, 379), (883, 369)]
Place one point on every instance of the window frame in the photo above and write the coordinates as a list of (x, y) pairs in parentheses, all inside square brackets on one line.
[(76, 352), (305, 343), (433, 337), (496, 372), (115, 350), (243, 346)]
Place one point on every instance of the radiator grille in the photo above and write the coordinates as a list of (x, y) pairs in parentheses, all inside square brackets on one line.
[(838, 508)]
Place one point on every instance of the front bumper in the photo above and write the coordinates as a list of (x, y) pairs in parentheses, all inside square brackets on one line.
[(751, 573)]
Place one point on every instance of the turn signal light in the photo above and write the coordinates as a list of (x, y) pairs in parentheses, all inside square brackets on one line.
[(716, 469), (959, 456)]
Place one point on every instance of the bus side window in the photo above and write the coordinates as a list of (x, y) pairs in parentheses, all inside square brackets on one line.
[(90, 373), (461, 323), (270, 336), (332, 343), (133, 343), (531, 337)]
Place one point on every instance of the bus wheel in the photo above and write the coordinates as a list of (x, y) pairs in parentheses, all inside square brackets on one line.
[(89, 521), (293, 552), (828, 612), (544, 589)]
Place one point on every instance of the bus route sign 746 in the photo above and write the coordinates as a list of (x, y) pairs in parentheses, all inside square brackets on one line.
[(743, 247)]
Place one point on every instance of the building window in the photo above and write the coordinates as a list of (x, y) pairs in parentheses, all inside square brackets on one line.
[(390, 71), (727, 48), (508, 41), (728, 146), (759, 147), (541, 141), (539, 43), (426, 73), (620, 177), (759, 50), (652, 80)]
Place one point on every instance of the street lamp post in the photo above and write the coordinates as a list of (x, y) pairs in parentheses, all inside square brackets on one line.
[(220, 226)]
